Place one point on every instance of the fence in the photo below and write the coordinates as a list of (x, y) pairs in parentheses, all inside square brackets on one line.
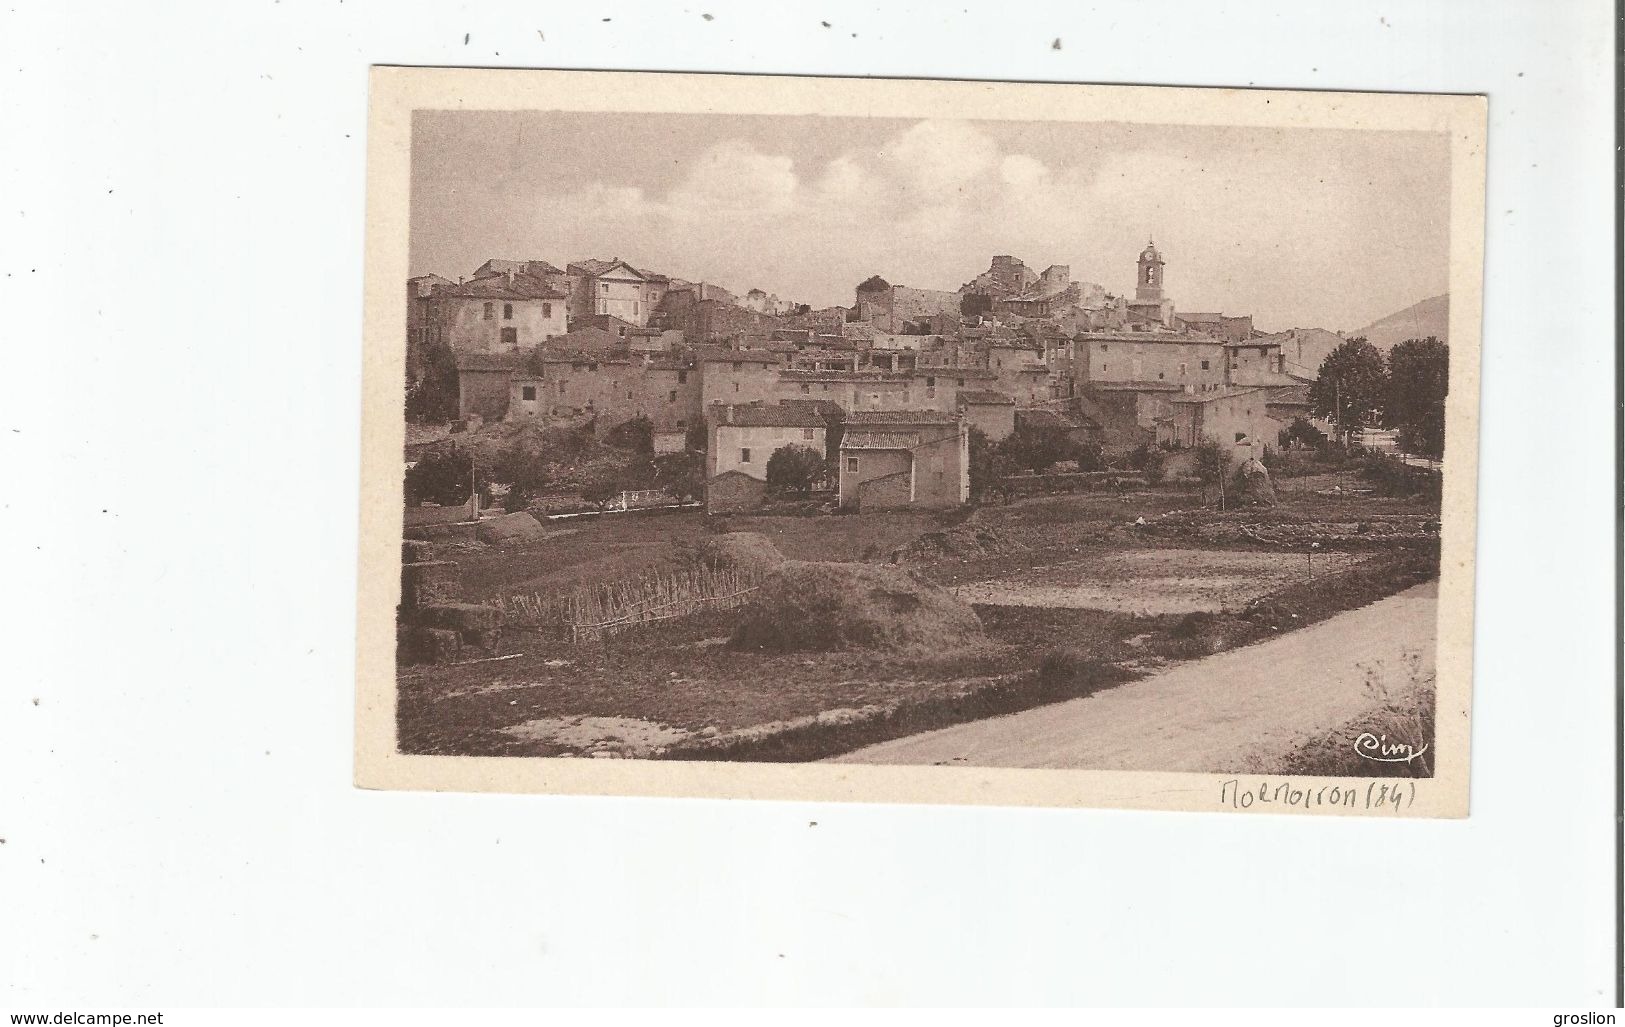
[(592, 613)]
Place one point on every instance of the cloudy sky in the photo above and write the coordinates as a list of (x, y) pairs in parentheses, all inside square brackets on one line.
[(1301, 228)]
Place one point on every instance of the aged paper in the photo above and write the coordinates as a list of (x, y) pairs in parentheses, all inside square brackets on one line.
[(1134, 480)]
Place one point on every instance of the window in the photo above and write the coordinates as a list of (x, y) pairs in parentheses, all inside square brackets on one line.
[(510, 337), (671, 397), (1182, 369), (634, 308), (826, 388), (805, 389), (603, 286), (852, 464), (561, 386), (930, 383), (806, 434), (736, 386), (744, 456), (547, 310), (490, 311), (961, 383), (738, 365), (1104, 347), (1159, 376), (507, 312), (1204, 365), (1240, 435), (682, 377), (527, 392)]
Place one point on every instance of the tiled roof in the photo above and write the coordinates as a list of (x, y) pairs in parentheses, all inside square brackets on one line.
[(879, 440), (985, 396), (1209, 397), (585, 339), (770, 417), (594, 268), (1201, 318), (501, 287), (487, 362), (716, 354), (900, 417), (1137, 386), (1045, 420), (797, 374)]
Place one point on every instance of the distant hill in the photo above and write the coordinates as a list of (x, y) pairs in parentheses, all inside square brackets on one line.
[(1418, 321)]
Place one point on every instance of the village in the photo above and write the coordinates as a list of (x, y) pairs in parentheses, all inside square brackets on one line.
[(636, 505)]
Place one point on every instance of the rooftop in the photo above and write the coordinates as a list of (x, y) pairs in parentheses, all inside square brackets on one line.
[(889, 417), (797, 416), (879, 440), (985, 396)]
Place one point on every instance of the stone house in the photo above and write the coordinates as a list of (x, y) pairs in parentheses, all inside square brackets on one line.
[(737, 376), (1189, 362), (495, 314), (1242, 421), (993, 413), (895, 459), (483, 383), (741, 440), (611, 287)]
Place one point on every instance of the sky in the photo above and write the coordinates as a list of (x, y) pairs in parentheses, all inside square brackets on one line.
[(1298, 227)]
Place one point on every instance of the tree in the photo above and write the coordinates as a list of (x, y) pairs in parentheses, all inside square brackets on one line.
[(432, 399), (695, 437), (680, 475), (1148, 460), (795, 468), (1035, 449), (988, 465), (1418, 381), (599, 487), (1352, 382), (1211, 463), (637, 434), (443, 477), (1301, 433)]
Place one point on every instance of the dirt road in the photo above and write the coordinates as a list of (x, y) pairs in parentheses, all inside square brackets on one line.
[(1235, 711)]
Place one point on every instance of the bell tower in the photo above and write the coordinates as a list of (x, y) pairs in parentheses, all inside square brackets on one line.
[(1149, 287)]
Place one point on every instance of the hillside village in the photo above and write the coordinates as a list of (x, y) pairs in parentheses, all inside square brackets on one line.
[(603, 342), (623, 532)]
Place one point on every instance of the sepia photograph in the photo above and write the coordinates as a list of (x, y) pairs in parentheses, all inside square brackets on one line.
[(976, 429)]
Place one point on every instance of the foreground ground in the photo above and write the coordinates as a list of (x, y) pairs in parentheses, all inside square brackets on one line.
[(1132, 585), (1237, 711)]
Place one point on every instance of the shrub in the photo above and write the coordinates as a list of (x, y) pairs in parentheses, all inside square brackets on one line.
[(1193, 625), (637, 435), (442, 477), (795, 468), (1149, 461)]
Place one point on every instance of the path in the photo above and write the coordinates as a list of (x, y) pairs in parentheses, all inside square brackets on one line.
[(1234, 711)]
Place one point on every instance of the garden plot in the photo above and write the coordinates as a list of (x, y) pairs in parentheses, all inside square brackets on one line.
[(1154, 581)]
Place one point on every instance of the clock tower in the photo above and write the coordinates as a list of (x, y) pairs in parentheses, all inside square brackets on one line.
[(1149, 287)]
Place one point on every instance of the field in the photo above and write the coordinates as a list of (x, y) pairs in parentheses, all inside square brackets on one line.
[(1076, 594)]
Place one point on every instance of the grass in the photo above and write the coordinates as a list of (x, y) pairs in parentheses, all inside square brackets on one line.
[(1398, 725), (683, 674)]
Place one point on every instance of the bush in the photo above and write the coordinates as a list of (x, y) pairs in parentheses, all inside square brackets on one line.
[(795, 468), (1391, 476), (441, 477), (1064, 664), (599, 488), (637, 435), (1193, 625), (1149, 461)]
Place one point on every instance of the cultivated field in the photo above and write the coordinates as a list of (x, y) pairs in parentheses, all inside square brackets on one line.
[(1075, 594)]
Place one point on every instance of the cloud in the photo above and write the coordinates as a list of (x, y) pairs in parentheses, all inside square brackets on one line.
[(1256, 227)]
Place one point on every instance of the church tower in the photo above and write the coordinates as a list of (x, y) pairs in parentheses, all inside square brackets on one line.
[(1149, 288)]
